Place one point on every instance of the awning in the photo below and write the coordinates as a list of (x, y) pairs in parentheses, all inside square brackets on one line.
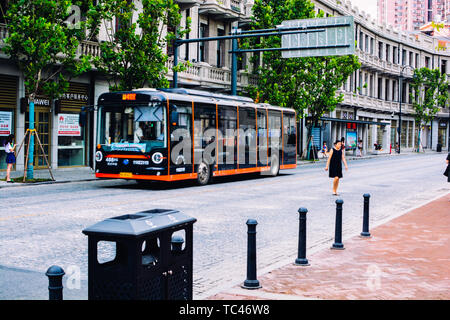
[(355, 121)]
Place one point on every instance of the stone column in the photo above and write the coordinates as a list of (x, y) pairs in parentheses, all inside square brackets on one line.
[(374, 135), (20, 127), (54, 139), (386, 138)]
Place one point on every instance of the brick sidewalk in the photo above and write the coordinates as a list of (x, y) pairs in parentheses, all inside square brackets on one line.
[(406, 258)]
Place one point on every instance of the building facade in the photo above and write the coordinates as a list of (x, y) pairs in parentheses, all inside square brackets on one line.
[(409, 15), (370, 110)]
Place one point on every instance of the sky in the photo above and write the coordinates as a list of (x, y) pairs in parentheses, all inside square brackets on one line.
[(369, 6)]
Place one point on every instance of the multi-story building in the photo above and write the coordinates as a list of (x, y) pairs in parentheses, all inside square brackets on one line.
[(408, 15), (371, 107)]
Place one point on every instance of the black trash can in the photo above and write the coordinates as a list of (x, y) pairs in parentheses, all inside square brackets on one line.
[(439, 147), (151, 260)]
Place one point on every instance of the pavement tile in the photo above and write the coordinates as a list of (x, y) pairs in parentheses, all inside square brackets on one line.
[(406, 258)]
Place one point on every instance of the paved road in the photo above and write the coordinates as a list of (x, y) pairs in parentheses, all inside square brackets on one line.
[(41, 225)]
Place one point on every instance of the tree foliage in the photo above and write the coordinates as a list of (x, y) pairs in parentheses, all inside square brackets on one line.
[(44, 46), (300, 83), (133, 55), (430, 93)]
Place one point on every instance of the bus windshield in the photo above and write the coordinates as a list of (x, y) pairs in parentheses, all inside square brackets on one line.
[(142, 127)]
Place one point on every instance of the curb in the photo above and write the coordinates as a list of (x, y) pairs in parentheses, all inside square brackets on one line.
[(21, 184)]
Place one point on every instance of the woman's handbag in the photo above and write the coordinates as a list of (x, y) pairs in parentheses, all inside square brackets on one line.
[(447, 171)]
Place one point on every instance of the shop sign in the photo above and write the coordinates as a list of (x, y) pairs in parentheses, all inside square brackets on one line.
[(351, 140), (75, 97), (442, 124), (68, 125), (5, 123)]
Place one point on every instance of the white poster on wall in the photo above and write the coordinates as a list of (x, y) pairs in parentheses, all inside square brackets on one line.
[(5, 123), (68, 125)]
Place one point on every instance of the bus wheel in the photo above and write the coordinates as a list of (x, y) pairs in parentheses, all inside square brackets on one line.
[(203, 174), (274, 165)]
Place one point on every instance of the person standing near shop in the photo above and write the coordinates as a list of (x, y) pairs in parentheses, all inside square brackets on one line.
[(10, 157), (360, 148), (447, 171), (334, 164)]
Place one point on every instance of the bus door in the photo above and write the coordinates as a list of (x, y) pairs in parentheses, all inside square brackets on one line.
[(247, 138), (289, 139), (275, 145), (181, 133), (227, 144), (262, 140)]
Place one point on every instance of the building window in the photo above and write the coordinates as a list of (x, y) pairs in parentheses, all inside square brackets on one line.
[(388, 52), (380, 88), (203, 33), (220, 49), (380, 50), (186, 56), (387, 89)]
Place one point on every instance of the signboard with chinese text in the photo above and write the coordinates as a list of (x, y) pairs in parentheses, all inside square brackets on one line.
[(68, 125), (5, 123)]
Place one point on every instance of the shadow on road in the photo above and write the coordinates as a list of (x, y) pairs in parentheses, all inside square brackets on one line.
[(162, 185)]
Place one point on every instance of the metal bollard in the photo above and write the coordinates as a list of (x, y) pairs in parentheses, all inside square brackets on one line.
[(55, 286), (338, 245), (251, 282), (301, 259), (365, 232)]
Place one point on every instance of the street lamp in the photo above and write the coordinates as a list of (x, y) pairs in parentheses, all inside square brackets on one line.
[(400, 98)]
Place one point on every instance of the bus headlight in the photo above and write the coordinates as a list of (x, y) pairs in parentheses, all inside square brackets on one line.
[(157, 157), (98, 156)]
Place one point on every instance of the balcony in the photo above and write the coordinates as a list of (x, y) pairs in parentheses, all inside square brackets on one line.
[(186, 4), (375, 105), (228, 10), (204, 76)]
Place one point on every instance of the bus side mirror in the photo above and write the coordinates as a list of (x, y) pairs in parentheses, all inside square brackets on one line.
[(83, 117), (174, 118)]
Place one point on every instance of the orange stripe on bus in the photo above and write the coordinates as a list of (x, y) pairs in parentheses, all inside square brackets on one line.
[(175, 177), (288, 166), (239, 171)]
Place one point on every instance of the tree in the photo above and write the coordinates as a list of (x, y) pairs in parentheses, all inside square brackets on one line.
[(133, 55), (430, 93), (300, 83), (44, 47)]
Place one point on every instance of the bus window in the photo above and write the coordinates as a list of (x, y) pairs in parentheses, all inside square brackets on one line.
[(204, 122), (262, 138), (275, 133), (247, 138), (227, 137), (145, 125), (181, 138), (289, 138)]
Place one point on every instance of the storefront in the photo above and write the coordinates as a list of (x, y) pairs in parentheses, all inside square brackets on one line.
[(442, 133), (62, 139), (8, 107), (71, 137)]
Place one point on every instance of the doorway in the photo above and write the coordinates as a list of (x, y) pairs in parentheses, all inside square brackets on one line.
[(42, 125)]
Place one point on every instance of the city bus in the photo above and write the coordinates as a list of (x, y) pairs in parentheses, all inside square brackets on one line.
[(180, 134)]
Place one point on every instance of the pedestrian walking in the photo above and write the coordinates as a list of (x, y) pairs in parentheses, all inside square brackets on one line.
[(343, 144), (360, 148), (334, 164), (447, 171), (324, 150), (10, 157)]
